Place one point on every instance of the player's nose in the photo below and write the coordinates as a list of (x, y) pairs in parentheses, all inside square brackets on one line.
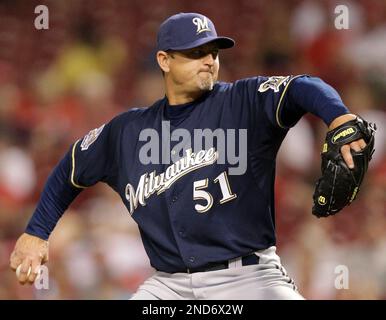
[(209, 59)]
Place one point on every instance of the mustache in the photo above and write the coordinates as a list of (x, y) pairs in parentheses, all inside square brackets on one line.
[(210, 70)]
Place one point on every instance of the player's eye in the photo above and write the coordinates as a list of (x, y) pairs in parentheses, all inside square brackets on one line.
[(214, 53), (200, 53), (197, 54)]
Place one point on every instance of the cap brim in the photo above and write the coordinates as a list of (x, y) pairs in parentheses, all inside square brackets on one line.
[(223, 43)]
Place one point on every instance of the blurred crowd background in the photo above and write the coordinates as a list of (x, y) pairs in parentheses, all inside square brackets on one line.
[(97, 60)]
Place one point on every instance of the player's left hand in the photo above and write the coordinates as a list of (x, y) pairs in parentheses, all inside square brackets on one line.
[(357, 145), (350, 141)]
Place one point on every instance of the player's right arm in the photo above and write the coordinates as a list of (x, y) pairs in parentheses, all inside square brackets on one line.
[(31, 249), (88, 161)]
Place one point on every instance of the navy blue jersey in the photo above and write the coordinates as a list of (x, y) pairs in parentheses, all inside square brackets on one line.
[(198, 178), (180, 227)]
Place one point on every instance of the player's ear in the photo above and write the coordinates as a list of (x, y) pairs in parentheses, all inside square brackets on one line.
[(163, 60)]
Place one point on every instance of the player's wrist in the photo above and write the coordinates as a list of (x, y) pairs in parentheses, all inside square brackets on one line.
[(340, 120)]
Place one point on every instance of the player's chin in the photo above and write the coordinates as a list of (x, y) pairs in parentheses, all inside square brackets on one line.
[(206, 83)]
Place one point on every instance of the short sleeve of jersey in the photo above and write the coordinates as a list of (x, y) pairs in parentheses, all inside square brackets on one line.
[(93, 158), (272, 95)]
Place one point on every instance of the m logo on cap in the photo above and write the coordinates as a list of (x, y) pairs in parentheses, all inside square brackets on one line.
[(202, 24)]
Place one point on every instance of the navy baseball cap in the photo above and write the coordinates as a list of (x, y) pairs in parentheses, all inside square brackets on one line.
[(189, 30)]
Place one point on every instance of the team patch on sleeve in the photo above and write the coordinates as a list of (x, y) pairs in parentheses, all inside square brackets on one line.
[(90, 138), (274, 83)]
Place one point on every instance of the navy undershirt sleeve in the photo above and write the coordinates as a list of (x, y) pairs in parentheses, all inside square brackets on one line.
[(311, 94), (57, 195)]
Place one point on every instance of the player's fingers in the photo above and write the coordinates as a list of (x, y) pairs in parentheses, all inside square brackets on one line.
[(35, 267), (355, 146), (362, 143), (23, 271), (14, 260), (358, 145), (43, 257), (346, 153)]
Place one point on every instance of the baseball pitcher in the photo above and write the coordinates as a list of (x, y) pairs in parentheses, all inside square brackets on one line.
[(196, 171)]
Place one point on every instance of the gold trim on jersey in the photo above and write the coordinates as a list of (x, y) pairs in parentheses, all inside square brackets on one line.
[(73, 167), (280, 101)]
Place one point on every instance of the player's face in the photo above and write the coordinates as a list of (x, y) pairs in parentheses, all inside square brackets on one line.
[(195, 69)]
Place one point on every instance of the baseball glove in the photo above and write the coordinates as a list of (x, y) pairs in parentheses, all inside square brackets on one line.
[(339, 185)]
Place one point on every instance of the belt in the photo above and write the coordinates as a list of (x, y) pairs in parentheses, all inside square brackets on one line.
[(248, 260)]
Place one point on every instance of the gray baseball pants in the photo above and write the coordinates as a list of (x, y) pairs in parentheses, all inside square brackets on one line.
[(267, 280)]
